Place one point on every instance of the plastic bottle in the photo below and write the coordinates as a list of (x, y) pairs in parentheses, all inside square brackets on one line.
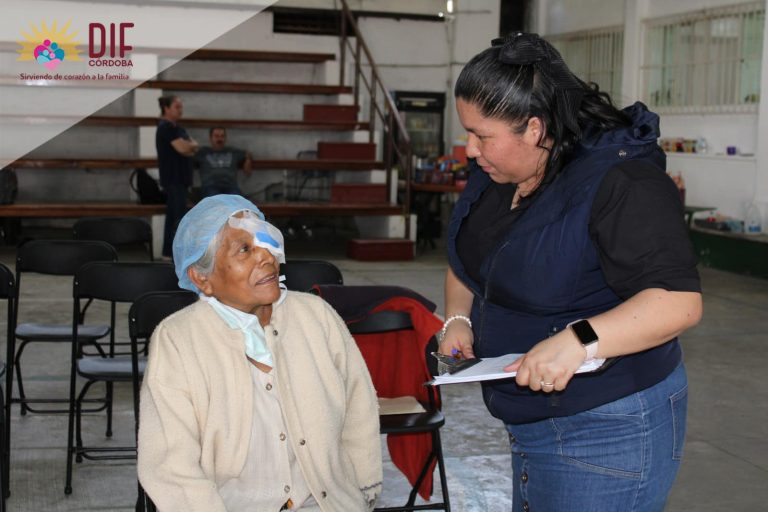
[(752, 223), (680, 182), (701, 146)]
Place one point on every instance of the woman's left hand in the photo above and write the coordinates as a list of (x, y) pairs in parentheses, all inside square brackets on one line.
[(550, 364)]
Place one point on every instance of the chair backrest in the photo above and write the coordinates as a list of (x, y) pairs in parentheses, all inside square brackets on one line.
[(7, 283), (151, 308), (301, 275), (61, 257), (114, 230), (123, 282), (381, 322)]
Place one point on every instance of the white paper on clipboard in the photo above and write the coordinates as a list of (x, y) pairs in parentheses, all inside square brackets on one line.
[(492, 368)]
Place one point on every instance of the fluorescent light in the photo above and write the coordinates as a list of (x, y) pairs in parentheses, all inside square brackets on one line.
[(449, 6)]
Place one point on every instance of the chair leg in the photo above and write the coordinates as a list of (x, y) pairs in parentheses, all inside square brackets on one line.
[(438, 448), (420, 479), (19, 381), (78, 429), (79, 421), (71, 423), (4, 466), (6, 410), (109, 409)]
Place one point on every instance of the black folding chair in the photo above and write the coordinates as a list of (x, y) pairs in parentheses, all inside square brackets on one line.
[(429, 421), (145, 314), (116, 231), (114, 283), (301, 275), (55, 258), (7, 292), (4, 463)]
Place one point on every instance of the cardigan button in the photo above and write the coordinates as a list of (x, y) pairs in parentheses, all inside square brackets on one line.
[(622, 153), (302, 442), (282, 436), (274, 332), (269, 387), (323, 494)]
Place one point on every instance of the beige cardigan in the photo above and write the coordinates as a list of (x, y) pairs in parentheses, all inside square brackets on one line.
[(196, 409)]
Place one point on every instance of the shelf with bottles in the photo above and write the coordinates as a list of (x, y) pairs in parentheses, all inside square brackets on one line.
[(750, 157), (699, 148)]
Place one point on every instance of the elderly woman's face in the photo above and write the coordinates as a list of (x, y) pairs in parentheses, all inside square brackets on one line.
[(244, 276), (506, 156)]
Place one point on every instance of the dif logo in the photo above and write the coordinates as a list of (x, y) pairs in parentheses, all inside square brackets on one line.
[(107, 44)]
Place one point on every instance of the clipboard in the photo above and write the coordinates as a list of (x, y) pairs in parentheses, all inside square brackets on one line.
[(492, 368)]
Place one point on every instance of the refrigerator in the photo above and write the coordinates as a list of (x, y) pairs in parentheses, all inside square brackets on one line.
[(423, 116)]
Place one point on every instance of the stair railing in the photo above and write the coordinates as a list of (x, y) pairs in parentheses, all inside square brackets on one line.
[(396, 148)]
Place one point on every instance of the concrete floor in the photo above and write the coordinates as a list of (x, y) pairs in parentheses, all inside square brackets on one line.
[(726, 457)]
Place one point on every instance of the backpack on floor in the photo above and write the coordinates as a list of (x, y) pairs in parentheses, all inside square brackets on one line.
[(146, 187), (9, 186)]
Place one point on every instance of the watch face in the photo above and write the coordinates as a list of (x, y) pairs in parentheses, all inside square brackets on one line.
[(584, 332)]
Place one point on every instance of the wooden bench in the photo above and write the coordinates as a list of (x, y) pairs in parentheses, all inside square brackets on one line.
[(260, 124), (76, 210), (131, 163), (275, 209), (733, 252)]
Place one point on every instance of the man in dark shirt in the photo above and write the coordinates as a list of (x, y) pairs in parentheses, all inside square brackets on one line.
[(174, 149), (219, 163)]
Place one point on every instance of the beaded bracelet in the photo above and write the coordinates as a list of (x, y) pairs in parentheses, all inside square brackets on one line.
[(451, 319)]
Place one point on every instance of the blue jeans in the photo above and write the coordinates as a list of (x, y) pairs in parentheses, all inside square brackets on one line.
[(175, 208), (622, 456)]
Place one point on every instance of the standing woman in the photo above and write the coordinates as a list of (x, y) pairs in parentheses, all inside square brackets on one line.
[(569, 243)]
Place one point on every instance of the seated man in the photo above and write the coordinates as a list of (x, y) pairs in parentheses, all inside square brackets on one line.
[(254, 398), (219, 163)]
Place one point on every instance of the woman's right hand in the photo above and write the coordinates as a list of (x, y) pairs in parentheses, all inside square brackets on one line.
[(458, 337)]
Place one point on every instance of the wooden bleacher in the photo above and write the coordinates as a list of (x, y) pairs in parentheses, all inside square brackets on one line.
[(320, 123), (132, 163), (277, 209), (261, 124)]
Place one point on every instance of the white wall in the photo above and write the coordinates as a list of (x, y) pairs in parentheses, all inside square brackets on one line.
[(661, 8), (427, 7), (474, 26), (730, 184), (574, 15)]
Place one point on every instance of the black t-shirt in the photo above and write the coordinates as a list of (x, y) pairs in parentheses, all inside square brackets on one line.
[(175, 168), (636, 223)]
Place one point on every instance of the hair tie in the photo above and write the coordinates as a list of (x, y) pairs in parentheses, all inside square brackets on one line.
[(524, 49)]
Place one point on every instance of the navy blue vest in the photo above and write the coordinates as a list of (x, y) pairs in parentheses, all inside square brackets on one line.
[(546, 273)]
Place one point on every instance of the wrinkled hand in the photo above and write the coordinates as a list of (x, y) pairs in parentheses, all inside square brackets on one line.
[(550, 364), (458, 337)]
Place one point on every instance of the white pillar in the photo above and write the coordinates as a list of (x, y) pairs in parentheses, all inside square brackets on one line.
[(541, 18), (634, 12), (761, 176)]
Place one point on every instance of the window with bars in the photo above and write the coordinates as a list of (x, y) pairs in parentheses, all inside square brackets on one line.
[(708, 60), (594, 56)]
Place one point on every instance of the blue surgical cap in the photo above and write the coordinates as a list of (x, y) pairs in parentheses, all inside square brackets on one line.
[(198, 227)]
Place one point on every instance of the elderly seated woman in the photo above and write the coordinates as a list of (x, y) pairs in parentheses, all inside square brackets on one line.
[(254, 398)]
